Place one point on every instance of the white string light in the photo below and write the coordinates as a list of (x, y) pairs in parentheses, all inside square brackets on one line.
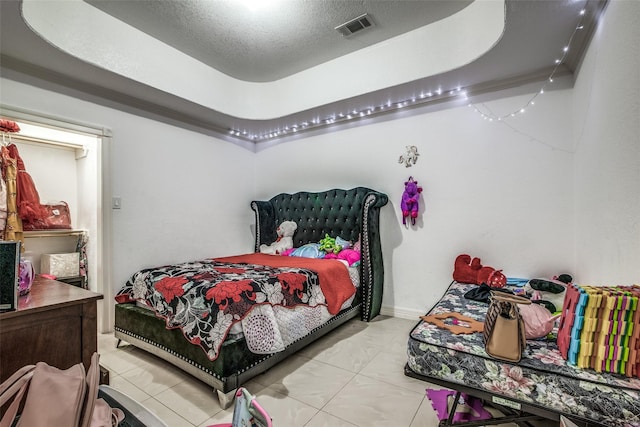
[(558, 61), (424, 97)]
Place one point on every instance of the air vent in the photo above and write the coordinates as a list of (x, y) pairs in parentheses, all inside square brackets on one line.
[(356, 25)]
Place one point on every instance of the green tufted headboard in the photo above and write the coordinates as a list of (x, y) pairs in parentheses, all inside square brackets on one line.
[(336, 212)]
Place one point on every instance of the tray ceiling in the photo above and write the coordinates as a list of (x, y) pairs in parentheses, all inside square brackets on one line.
[(285, 67)]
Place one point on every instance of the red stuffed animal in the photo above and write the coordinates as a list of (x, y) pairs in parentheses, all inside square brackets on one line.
[(467, 270)]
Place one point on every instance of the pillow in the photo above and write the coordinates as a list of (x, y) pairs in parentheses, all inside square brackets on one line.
[(349, 255), (288, 252), (310, 250), (356, 246), (345, 244)]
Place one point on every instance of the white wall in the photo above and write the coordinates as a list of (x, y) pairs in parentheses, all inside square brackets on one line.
[(501, 191), (184, 195), (498, 191), (607, 138)]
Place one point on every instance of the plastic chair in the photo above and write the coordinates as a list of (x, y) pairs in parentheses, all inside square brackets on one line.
[(247, 412)]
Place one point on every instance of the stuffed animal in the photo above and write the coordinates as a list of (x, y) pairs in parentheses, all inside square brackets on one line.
[(410, 157), (285, 232), (467, 270), (409, 203), (549, 292), (329, 245)]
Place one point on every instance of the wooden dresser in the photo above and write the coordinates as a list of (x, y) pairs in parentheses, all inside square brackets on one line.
[(54, 323)]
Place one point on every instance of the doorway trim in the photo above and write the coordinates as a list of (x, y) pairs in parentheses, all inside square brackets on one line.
[(102, 270)]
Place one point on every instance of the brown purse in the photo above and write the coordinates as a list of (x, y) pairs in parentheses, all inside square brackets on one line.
[(504, 334)]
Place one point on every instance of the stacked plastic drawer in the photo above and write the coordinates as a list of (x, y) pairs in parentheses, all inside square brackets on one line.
[(600, 328)]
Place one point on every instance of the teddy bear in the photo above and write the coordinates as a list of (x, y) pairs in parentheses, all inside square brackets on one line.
[(467, 270), (409, 203), (285, 232)]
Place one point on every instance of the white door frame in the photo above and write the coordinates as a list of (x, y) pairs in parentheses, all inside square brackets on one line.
[(101, 272)]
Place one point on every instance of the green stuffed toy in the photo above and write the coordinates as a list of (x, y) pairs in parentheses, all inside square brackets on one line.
[(329, 245)]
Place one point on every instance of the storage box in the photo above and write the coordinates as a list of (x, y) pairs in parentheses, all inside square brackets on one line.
[(60, 265)]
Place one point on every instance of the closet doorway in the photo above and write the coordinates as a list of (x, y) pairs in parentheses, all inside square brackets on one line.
[(69, 162)]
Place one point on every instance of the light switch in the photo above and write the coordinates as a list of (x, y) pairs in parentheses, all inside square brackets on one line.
[(116, 203)]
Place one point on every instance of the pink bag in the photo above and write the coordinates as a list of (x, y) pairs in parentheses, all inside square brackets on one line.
[(57, 397), (538, 321)]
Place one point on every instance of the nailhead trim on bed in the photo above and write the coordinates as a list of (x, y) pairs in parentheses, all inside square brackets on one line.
[(349, 214), (365, 257)]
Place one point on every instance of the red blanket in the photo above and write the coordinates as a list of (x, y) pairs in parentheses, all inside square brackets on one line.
[(334, 278)]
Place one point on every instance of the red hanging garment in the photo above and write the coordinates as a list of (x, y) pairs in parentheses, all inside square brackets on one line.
[(28, 199)]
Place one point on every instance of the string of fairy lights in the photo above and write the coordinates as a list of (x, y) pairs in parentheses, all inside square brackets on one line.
[(424, 97), (488, 115)]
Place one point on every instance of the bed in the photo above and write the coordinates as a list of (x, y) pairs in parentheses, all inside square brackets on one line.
[(232, 358), (542, 384)]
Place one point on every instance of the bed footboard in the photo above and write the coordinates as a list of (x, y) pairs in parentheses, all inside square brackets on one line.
[(234, 366)]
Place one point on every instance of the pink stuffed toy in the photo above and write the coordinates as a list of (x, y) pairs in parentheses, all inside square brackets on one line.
[(409, 203)]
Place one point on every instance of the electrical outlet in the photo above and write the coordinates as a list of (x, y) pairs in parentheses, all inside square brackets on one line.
[(116, 203)]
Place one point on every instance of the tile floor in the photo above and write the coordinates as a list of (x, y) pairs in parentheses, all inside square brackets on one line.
[(351, 377)]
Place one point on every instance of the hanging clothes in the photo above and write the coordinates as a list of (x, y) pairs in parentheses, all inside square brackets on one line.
[(28, 199), (81, 248), (13, 229), (3, 201)]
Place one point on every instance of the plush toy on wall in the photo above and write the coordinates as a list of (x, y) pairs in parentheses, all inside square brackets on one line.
[(410, 157), (285, 232), (467, 270), (409, 203)]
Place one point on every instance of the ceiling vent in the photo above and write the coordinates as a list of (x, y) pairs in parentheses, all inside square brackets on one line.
[(355, 25)]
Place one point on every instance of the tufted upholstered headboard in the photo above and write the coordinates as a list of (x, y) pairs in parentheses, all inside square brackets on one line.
[(344, 213)]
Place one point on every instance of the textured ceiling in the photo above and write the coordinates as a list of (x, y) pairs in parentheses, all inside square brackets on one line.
[(271, 42), (241, 45)]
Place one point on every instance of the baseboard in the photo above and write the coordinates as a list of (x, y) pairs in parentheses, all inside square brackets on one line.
[(402, 313)]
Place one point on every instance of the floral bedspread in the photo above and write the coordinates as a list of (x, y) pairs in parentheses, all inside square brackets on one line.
[(541, 378), (204, 298)]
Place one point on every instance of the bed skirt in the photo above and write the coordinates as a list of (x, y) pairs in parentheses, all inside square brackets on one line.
[(235, 364)]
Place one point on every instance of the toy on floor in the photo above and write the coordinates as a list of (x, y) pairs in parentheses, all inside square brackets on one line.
[(409, 204), (465, 408), (247, 412), (285, 232), (467, 270)]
